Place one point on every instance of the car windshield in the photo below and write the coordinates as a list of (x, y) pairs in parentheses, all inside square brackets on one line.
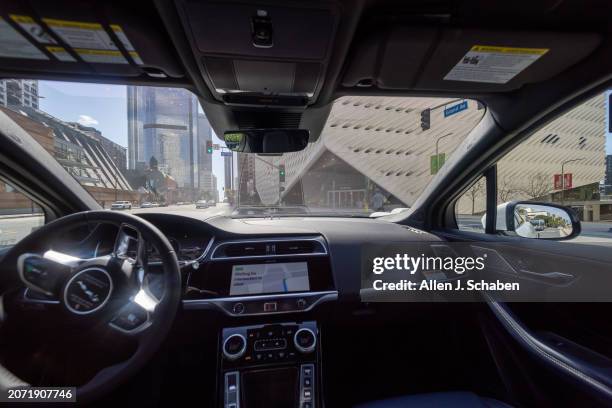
[(154, 147)]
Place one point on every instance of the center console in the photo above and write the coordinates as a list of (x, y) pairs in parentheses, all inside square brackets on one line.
[(270, 365), (266, 364)]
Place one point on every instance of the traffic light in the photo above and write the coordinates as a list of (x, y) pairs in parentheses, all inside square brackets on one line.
[(281, 173), (209, 147), (425, 118)]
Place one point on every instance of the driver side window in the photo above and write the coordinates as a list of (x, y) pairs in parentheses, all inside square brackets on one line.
[(18, 215)]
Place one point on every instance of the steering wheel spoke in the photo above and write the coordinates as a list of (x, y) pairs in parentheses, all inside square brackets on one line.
[(45, 273)]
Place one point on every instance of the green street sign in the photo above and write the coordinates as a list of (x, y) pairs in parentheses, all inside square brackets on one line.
[(436, 162)]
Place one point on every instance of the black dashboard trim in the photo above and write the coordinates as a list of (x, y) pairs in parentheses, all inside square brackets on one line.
[(226, 304)]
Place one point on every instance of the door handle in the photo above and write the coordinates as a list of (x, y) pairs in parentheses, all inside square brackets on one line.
[(550, 277)]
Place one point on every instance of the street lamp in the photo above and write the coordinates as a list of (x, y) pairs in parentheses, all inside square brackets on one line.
[(563, 177)]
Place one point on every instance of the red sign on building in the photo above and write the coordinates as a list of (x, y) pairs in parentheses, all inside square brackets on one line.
[(568, 181)]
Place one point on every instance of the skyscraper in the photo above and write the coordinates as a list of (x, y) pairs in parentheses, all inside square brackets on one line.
[(608, 175), (228, 167), (205, 176), (163, 124), (19, 92)]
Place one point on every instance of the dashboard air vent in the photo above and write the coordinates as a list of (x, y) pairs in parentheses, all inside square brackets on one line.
[(245, 249), (297, 247)]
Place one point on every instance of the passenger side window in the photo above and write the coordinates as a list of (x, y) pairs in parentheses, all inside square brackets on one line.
[(18, 215), (568, 162), (471, 207)]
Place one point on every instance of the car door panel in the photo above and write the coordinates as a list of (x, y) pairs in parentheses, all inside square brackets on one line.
[(557, 281)]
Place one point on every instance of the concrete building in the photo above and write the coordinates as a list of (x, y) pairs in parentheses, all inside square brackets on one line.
[(215, 192), (246, 184), (376, 145), (607, 187), (228, 169), (205, 175), (19, 92), (117, 152), (81, 154)]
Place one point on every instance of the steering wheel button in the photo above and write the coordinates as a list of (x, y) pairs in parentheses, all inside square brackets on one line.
[(130, 318)]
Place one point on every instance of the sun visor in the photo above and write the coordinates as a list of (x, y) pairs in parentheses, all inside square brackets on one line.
[(471, 60), (107, 39)]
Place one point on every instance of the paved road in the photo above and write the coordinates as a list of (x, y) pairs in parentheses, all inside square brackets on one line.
[(187, 210)]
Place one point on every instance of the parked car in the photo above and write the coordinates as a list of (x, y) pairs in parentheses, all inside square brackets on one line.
[(202, 204), (121, 205), (147, 204)]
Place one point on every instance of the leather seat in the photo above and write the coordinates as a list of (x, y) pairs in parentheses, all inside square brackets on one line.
[(437, 399)]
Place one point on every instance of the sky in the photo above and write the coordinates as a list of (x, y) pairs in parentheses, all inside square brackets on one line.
[(103, 107)]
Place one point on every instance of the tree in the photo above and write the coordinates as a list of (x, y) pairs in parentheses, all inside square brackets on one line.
[(476, 191), (537, 185), (506, 189)]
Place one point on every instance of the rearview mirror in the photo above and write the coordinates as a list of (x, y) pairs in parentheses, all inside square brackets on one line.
[(541, 220), (267, 141)]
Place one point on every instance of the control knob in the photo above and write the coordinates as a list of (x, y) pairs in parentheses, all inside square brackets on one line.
[(305, 340), (234, 346)]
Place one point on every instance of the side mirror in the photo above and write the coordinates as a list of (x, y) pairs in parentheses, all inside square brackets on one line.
[(530, 219), (266, 141)]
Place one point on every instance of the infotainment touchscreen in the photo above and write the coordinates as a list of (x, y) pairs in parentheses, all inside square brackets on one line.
[(255, 279)]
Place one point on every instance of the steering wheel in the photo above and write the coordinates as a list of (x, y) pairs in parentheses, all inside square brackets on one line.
[(110, 291)]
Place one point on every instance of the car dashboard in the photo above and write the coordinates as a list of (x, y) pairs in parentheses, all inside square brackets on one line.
[(267, 283)]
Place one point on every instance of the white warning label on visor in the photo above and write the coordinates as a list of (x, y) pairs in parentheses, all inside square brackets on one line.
[(101, 56), (60, 53), (14, 45), (81, 35), (491, 64), (33, 28), (122, 37)]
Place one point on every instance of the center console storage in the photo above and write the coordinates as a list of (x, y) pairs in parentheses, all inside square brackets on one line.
[(270, 365)]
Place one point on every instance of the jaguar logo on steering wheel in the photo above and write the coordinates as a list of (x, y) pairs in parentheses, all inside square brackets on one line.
[(88, 291)]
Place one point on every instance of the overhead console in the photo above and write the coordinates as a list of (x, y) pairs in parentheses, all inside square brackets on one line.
[(261, 54), (465, 60), (262, 276)]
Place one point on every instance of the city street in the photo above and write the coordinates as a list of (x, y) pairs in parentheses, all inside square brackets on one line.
[(12, 228), (188, 210)]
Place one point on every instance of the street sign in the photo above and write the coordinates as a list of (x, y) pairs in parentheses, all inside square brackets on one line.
[(451, 110), (436, 162), (568, 181), (224, 153)]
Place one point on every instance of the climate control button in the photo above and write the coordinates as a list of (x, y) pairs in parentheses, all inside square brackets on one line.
[(305, 340)]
